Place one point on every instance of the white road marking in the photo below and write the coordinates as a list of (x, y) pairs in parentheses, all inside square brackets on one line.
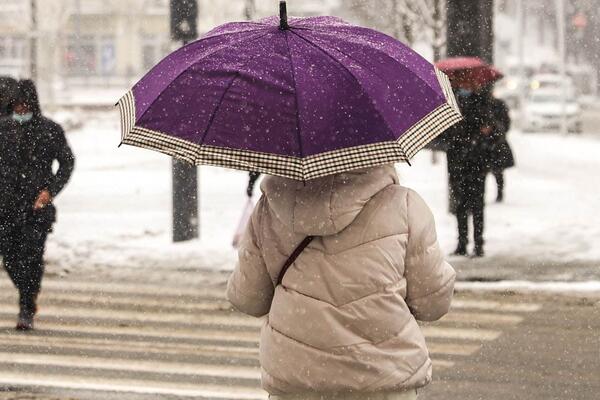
[(495, 305), (119, 305), (185, 334), (138, 346), (126, 288), (458, 333), (234, 336), (121, 364), (113, 385), (139, 316), (482, 318), (147, 347), (441, 364)]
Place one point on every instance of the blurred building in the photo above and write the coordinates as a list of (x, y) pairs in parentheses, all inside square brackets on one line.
[(14, 34), (107, 43)]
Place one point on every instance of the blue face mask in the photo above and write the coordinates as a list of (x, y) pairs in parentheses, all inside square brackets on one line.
[(22, 118), (464, 92)]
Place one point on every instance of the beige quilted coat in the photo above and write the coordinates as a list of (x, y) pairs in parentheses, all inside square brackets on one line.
[(344, 319)]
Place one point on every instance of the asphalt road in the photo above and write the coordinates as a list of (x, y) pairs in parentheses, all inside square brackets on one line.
[(116, 338)]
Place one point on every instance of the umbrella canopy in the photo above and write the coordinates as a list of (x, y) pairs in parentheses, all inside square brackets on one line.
[(301, 98), (469, 72)]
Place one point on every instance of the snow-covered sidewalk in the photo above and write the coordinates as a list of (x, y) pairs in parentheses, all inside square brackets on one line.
[(116, 210)]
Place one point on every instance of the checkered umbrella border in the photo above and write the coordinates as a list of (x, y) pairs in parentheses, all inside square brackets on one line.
[(311, 167)]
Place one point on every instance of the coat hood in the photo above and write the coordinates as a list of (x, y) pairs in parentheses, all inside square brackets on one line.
[(327, 205), (27, 93)]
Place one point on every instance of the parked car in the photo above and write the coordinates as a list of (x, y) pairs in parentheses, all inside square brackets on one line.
[(544, 111), (551, 82)]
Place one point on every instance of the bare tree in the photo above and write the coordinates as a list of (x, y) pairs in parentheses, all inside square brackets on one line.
[(407, 20), (249, 9)]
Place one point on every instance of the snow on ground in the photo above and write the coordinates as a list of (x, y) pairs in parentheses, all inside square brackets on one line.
[(116, 210)]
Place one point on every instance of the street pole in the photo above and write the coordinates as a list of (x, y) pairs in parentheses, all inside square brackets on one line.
[(184, 14), (561, 22), (470, 32), (522, 82), (471, 29), (33, 42)]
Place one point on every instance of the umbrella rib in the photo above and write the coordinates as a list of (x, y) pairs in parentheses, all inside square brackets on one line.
[(353, 77), (351, 34), (216, 110), (296, 97), (244, 40)]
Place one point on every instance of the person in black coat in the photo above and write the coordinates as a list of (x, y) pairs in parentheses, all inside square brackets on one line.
[(502, 155), (469, 147), (29, 145)]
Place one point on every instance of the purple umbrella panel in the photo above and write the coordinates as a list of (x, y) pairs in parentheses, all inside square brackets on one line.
[(318, 98)]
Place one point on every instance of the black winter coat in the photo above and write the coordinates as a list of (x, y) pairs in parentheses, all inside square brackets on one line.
[(27, 154), (469, 151), (502, 156)]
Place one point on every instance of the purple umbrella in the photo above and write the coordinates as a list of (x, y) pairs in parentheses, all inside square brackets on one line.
[(312, 98)]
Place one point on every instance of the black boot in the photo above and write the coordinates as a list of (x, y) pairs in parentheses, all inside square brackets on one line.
[(461, 250), (25, 320), (478, 251)]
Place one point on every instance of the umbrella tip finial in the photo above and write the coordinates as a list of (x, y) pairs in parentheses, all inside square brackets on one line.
[(283, 22)]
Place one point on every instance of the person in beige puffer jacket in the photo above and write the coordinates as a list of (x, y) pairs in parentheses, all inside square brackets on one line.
[(343, 322)]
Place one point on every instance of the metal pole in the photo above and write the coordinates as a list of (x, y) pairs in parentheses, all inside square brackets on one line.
[(185, 199), (33, 42), (561, 16), (185, 176), (522, 82), (78, 52)]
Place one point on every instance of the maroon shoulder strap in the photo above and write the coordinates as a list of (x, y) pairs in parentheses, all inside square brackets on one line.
[(293, 257)]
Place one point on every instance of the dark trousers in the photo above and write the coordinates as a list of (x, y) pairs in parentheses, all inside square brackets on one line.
[(499, 175), (471, 200), (23, 257)]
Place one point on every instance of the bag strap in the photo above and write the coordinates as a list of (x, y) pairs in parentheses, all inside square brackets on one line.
[(292, 258)]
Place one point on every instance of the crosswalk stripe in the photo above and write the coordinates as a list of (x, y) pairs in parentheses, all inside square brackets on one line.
[(482, 318), (441, 364), (126, 288), (136, 332), (495, 305), (150, 366), (459, 333), (120, 315), (239, 336), (159, 348), (148, 332), (126, 291), (113, 385), (141, 346), (116, 364), (229, 319), (211, 305)]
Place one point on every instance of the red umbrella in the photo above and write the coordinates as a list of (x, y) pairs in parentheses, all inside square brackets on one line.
[(469, 72)]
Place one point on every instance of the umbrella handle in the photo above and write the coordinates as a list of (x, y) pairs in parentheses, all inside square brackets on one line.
[(283, 23)]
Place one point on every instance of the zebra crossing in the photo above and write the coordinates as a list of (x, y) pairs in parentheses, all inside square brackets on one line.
[(126, 338)]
